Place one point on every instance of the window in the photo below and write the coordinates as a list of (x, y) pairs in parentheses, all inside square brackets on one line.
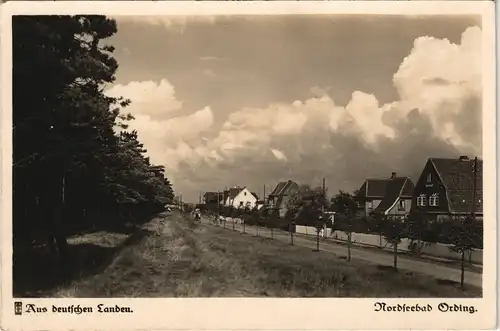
[(244, 193), (241, 203), (421, 200), (370, 204), (402, 205), (434, 200), (429, 178)]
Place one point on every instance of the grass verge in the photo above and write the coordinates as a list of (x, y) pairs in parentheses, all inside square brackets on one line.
[(182, 259)]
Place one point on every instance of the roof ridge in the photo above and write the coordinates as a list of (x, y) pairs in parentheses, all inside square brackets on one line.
[(402, 187), (431, 160)]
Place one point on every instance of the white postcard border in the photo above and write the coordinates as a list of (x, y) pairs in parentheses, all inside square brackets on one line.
[(250, 313)]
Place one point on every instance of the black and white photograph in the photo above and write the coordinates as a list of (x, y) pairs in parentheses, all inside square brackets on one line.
[(337, 155)]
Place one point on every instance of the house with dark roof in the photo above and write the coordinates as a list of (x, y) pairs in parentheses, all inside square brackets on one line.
[(239, 197), (210, 198), (445, 188), (280, 195), (388, 196)]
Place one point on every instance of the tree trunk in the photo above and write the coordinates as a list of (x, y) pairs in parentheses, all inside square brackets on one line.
[(233, 224), (462, 270), (51, 243), (257, 230), (317, 240), (60, 230), (291, 234), (380, 240), (244, 231), (349, 246), (395, 256), (62, 246)]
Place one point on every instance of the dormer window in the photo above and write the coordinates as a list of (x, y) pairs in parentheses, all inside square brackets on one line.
[(402, 205), (422, 200), (434, 200), (429, 178)]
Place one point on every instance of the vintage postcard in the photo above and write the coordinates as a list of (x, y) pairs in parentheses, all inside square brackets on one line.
[(248, 165)]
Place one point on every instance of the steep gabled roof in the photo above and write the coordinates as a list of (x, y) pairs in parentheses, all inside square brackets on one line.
[(281, 190), (407, 191), (255, 195), (284, 192), (396, 188), (457, 177), (374, 188), (234, 191), (278, 189)]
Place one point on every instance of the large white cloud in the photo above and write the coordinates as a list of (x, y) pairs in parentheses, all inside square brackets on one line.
[(440, 78), (165, 129), (438, 113), (148, 97)]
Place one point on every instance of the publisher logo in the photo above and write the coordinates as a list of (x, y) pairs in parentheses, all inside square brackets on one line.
[(18, 308)]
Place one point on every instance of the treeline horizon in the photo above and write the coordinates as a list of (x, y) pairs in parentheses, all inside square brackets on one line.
[(76, 166)]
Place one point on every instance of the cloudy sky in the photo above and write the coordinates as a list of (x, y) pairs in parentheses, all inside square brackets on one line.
[(249, 101)]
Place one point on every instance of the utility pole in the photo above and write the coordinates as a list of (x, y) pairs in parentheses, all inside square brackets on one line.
[(324, 197), (218, 209), (474, 185), (464, 244), (323, 208)]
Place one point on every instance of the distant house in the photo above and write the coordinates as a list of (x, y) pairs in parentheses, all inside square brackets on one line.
[(445, 188), (280, 195), (239, 197), (389, 196)]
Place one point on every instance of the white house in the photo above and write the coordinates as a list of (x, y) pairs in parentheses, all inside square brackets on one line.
[(239, 197)]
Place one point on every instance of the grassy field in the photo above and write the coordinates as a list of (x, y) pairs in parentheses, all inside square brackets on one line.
[(181, 259)]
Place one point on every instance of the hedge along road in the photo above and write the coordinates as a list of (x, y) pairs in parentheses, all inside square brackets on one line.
[(437, 271)]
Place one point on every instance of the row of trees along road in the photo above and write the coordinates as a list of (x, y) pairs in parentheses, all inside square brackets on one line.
[(463, 233), (308, 205), (75, 167)]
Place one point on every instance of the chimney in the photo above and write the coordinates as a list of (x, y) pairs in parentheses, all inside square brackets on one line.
[(393, 175), (463, 158)]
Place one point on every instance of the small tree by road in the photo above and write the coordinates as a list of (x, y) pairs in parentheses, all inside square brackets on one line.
[(306, 207), (376, 222), (346, 205), (465, 233), (236, 213), (420, 232), (290, 219), (247, 214), (394, 231)]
